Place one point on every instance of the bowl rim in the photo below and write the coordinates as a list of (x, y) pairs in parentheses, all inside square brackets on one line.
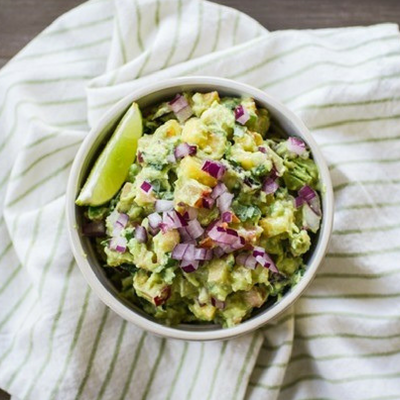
[(219, 333)]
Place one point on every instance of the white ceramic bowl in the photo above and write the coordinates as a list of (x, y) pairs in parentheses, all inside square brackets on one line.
[(84, 253)]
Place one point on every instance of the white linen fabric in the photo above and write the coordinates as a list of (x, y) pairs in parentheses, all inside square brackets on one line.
[(340, 341)]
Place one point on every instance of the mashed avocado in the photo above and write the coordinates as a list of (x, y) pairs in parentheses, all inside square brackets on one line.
[(217, 213)]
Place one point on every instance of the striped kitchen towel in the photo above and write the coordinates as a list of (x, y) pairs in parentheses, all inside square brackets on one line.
[(340, 341)]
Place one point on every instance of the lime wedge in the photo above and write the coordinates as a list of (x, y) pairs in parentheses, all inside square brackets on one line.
[(111, 168)]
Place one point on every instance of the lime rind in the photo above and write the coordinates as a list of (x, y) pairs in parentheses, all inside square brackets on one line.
[(111, 168)]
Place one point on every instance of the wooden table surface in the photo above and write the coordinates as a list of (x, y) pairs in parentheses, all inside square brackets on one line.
[(21, 20)]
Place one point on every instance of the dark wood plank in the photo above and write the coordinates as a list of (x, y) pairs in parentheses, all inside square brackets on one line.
[(4, 396), (303, 14), (21, 20), (3, 61)]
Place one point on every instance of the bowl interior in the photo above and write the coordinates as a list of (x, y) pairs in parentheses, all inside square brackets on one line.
[(93, 145)]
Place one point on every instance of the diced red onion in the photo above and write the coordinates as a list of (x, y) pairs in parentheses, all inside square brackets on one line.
[(298, 202), (311, 220), (315, 205), (272, 267), (122, 220), (181, 107), (184, 149), (179, 220), (208, 202), (227, 217), (167, 223), (141, 234), (172, 220), (146, 187), (183, 251), (214, 168), (296, 145), (218, 252), (226, 237), (270, 186), (262, 149), (203, 254), (94, 229), (178, 102), (189, 252), (163, 296), (218, 303), (164, 205), (154, 220), (118, 244), (224, 201), (190, 213), (189, 266), (218, 190), (258, 251), (311, 197), (139, 157), (247, 260), (194, 229), (184, 114), (264, 259), (185, 237), (213, 224), (273, 174), (231, 232), (264, 263), (307, 193), (227, 248), (117, 229), (241, 114), (113, 217), (218, 234)]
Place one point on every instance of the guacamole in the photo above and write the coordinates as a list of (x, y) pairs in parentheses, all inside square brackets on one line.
[(216, 214)]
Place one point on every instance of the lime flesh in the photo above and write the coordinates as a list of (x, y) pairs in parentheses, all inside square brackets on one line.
[(111, 168)]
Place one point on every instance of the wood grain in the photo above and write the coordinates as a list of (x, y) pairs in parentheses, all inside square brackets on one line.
[(21, 20), (305, 14)]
